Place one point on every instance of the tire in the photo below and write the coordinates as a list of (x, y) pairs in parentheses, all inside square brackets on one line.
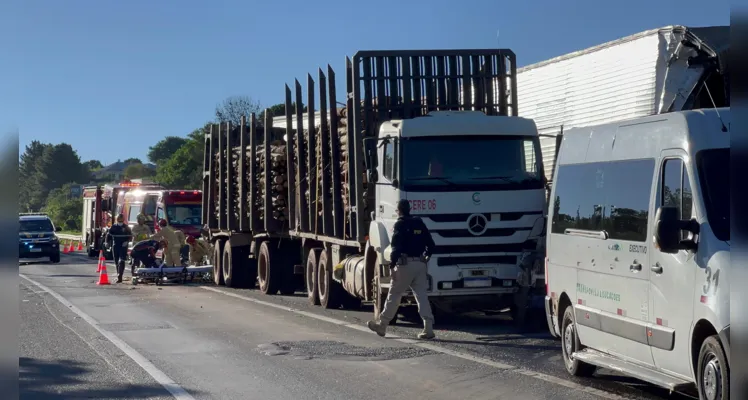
[(570, 344), (236, 268), (331, 294), (713, 373), (310, 275), (270, 276), (218, 262), (54, 258)]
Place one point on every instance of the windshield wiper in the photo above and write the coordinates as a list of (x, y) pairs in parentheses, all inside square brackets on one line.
[(503, 178), (433, 178)]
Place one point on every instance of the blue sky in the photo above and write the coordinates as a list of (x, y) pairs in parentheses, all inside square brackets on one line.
[(113, 77)]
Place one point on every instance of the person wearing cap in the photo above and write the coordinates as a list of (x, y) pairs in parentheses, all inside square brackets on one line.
[(199, 249), (412, 246), (171, 252), (120, 235)]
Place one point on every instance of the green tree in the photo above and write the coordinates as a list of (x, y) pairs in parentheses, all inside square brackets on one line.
[(184, 168), (93, 165), (59, 165), (30, 194), (138, 170), (279, 110), (64, 209), (165, 148), (233, 108)]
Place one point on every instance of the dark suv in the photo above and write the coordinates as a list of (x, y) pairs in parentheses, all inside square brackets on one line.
[(36, 237)]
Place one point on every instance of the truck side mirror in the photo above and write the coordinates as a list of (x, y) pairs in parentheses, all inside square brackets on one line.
[(668, 227), (373, 176)]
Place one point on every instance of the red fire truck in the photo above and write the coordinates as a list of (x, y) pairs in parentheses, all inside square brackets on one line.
[(182, 209), (98, 204)]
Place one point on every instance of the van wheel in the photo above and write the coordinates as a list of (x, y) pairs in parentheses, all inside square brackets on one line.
[(331, 294), (236, 272), (218, 262), (713, 374), (269, 275), (311, 272), (570, 344)]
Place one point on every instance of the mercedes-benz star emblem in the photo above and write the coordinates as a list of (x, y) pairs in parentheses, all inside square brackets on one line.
[(477, 224)]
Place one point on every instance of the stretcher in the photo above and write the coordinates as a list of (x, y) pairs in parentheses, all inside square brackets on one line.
[(162, 275)]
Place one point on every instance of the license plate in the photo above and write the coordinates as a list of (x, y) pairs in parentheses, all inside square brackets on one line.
[(477, 282), (478, 272), (35, 250)]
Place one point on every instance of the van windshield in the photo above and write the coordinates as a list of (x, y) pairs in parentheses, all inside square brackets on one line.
[(714, 176), (471, 163)]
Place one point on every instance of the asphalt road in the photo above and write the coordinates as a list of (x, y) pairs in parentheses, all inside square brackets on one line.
[(80, 340)]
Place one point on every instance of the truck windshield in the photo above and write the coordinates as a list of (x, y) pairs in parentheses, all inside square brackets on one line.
[(714, 176), (184, 214), (471, 163), (42, 225)]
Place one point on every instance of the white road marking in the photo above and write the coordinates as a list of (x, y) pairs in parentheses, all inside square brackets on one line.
[(430, 346), (177, 391)]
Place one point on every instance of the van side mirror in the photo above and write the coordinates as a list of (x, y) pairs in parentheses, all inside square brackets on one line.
[(668, 227)]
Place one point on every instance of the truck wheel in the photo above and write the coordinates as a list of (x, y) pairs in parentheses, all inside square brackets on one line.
[(331, 294), (218, 262), (310, 273), (570, 344), (713, 374), (236, 273), (270, 277)]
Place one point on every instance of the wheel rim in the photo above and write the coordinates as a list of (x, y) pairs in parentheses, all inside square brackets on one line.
[(712, 377), (568, 343)]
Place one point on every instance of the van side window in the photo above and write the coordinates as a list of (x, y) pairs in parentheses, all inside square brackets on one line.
[(676, 188), (579, 198), (388, 164), (628, 186), (609, 196)]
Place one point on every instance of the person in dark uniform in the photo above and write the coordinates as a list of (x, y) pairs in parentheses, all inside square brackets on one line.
[(412, 246), (121, 235)]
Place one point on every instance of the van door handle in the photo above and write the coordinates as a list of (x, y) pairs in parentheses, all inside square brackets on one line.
[(381, 209), (657, 268), (636, 267)]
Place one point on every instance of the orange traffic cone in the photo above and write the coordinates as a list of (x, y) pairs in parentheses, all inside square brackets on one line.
[(102, 260), (71, 249), (103, 276), (64, 249), (80, 246)]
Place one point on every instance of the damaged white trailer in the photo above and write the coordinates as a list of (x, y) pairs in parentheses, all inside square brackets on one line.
[(661, 70)]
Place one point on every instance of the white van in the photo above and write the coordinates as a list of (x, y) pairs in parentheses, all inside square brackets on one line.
[(638, 250)]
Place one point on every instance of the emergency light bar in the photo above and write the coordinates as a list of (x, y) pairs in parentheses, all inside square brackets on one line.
[(183, 192)]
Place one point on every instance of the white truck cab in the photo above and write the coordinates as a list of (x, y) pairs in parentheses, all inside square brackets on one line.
[(638, 250), (477, 182)]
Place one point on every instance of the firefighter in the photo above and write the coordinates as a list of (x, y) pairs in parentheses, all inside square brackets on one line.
[(184, 249), (141, 231), (171, 252), (199, 249), (121, 235), (412, 247)]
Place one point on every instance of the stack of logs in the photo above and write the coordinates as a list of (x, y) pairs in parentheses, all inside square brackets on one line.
[(278, 179)]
